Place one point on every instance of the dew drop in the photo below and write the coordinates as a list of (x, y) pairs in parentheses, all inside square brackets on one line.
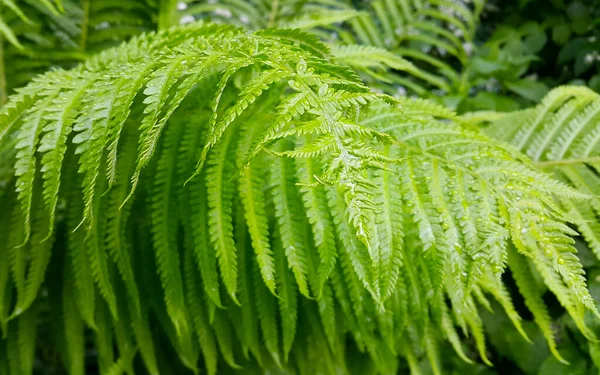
[(294, 85)]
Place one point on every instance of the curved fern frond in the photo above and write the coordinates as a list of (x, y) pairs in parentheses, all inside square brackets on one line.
[(190, 174), (562, 136), (407, 44)]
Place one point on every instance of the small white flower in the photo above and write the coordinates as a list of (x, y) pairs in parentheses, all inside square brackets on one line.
[(244, 19), (181, 6), (468, 47), (103, 25), (591, 57), (186, 19)]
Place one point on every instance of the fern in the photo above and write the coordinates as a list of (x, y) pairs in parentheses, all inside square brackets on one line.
[(200, 177), (423, 39), (42, 34), (561, 135)]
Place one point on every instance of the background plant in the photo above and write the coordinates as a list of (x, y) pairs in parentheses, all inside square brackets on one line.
[(495, 74)]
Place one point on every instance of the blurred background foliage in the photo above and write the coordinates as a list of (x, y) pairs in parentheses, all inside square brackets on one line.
[(503, 55)]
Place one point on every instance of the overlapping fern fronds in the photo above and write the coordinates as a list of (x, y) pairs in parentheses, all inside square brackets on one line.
[(262, 14), (437, 37), (39, 35), (562, 135), (19, 26), (252, 203)]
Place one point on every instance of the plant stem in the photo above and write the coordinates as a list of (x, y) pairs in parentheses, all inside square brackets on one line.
[(2, 72), (166, 16), (84, 25), (273, 14), (550, 163)]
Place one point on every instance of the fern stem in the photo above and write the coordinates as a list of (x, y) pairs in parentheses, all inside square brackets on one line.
[(84, 24), (551, 163), (166, 17), (2, 71), (2, 74), (273, 14)]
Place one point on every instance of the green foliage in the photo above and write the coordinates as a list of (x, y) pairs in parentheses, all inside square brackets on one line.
[(562, 135), (433, 35), (240, 198), (436, 45), (38, 35), (203, 199)]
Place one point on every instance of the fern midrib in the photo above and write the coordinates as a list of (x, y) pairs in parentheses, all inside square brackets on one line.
[(273, 13), (84, 25), (2, 70), (552, 163)]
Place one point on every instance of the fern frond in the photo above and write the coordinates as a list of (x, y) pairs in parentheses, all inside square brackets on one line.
[(220, 200), (116, 239), (85, 289), (389, 228), (163, 215), (207, 155), (288, 304), (560, 134), (250, 334), (40, 251), (73, 326), (319, 218), (252, 181), (286, 200), (532, 296)]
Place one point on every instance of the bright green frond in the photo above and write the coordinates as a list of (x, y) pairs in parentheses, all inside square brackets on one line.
[(186, 185)]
